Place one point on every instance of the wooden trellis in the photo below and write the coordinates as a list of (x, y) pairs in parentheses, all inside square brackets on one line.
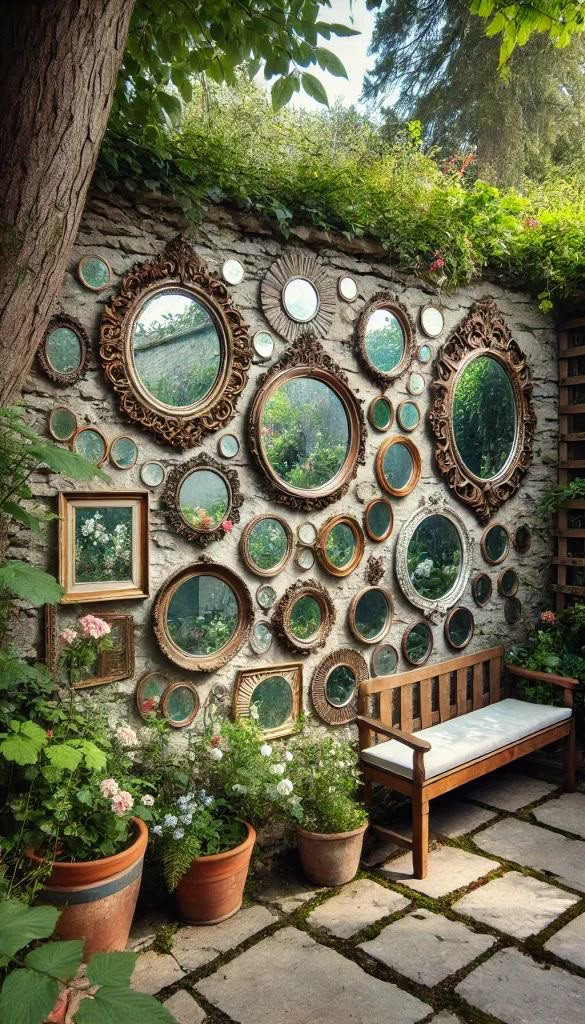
[(570, 547)]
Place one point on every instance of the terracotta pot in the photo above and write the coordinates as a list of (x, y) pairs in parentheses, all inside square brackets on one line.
[(97, 898), (331, 859), (213, 887)]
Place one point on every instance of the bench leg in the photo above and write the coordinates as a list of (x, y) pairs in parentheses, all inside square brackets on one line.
[(420, 834), (570, 761)]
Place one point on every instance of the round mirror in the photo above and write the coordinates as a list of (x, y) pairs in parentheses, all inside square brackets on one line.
[(384, 660), (305, 617), (416, 384), (263, 343), (202, 615), (384, 341), (261, 638), (266, 596), (62, 423), (180, 704), (305, 559), (481, 589), (434, 557), (123, 452), (334, 686), (266, 545), (307, 533), (408, 416), (424, 354), (459, 627), (232, 272), (431, 321), (273, 700), (63, 350), (398, 466), (204, 499), (523, 540), (341, 545), (176, 350), (512, 610), (152, 474), (495, 543), (300, 299), (381, 413), (149, 692), (508, 582), (228, 446), (370, 614), (347, 288), (340, 686), (484, 417), (378, 519), (417, 643), (94, 273), (91, 444)]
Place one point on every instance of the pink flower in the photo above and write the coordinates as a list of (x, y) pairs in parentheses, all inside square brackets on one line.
[(531, 222), (93, 627), (50, 733), (437, 264), (68, 636), (122, 803), (215, 741), (126, 736), (227, 526), (548, 617), (109, 788)]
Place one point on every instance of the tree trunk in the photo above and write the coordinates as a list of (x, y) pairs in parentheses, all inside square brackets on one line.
[(59, 60)]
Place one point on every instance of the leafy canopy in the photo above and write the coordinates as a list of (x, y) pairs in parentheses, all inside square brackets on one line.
[(516, 23)]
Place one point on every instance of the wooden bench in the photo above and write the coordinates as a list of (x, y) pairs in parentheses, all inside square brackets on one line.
[(465, 725)]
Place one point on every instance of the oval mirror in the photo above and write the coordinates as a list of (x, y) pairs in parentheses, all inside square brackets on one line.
[(523, 540), (94, 272), (334, 686), (398, 466), (123, 452), (62, 423), (266, 544), (91, 443), (64, 351), (508, 582), (416, 384), (232, 271), (300, 299), (417, 643), (431, 321), (228, 446), (370, 614), (347, 288), (273, 700), (263, 344), (149, 692), (434, 557), (512, 610), (459, 627), (307, 533), (340, 686), (340, 545), (261, 638), (266, 596), (424, 354), (180, 704), (384, 341), (305, 617), (152, 473), (408, 416), (381, 413), (495, 543), (384, 660), (481, 589), (378, 519), (204, 499), (202, 615), (305, 558), (484, 417)]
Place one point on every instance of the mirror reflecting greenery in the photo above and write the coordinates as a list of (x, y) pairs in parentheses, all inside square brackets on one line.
[(398, 466), (384, 660), (63, 350), (62, 423), (381, 413), (261, 639), (149, 693), (273, 700), (384, 340), (306, 617), (418, 643), (263, 344), (424, 354), (340, 545), (229, 446), (176, 349), (267, 543), (408, 415), (94, 272), (509, 582), (123, 452), (379, 519), (305, 558), (300, 299), (372, 613), (434, 557), (305, 433), (90, 443), (152, 474), (416, 383), (496, 541), (266, 596), (340, 685), (481, 589), (484, 416), (204, 499), (181, 704), (459, 627), (202, 615)]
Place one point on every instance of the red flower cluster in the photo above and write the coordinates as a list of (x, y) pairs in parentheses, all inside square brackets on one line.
[(530, 222), (215, 741), (437, 262)]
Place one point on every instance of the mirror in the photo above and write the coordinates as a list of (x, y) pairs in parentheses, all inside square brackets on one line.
[(495, 543), (347, 288), (123, 452), (398, 466), (261, 638), (149, 692), (384, 660), (416, 384), (273, 700), (94, 272), (232, 272), (62, 423), (385, 337), (63, 353), (203, 499), (512, 610), (484, 417), (381, 413), (424, 354), (304, 616), (263, 343), (334, 686), (295, 291), (228, 446), (307, 533), (341, 545), (180, 704), (274, 694), (152, 474), (481, 589), (305, 559), (508, 582), (266, 545), (340, 686), (378, 519), (431, 321), (459, 627), (266, 596), (417, 643), (523, 540), (91, 443), (408, 416), (434, 557), (300, 299), (370, 614)]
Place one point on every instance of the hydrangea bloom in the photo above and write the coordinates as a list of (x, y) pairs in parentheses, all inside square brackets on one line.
[(126, 736), (178, 833), (285, 787), (215, 754), (157, 830), (93, 627), (68, 636), (288, 756), (169, 821), (122, 803), (148, 800), (109, 788), (277, 769), (266, 750)]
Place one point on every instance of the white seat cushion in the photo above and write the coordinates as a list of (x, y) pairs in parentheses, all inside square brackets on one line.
[(468, 737)]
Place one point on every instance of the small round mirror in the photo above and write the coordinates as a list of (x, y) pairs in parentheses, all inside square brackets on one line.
[(508, 582), (347, 288), (266, 596), (512, 610), (149, 692), (204, 498), (232, 272), (340, 686), (272, 699), (381, 413), (180, 704), (300, 299), (341, 545), (370, 614), (305, 618), (261, 638), (523, 540), (266, 545), (228, 446), (378, 519), (384, 341), (416, 384), (307, 533), (152, 473), (384, 660), (459, 627), (63, 350), (398, 466), (62, 423), (431, 321), (123, 452), (91, 444), (481, 589), (408, 416), (263, 343), (424, 354), (94, 273), (417, 643), (305, 559), (495, 543)]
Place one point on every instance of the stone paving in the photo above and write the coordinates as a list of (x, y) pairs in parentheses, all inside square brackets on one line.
[(496, 933)]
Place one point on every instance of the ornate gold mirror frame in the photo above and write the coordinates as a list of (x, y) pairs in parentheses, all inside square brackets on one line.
[(384, 300), (172, 495), (281, 619)]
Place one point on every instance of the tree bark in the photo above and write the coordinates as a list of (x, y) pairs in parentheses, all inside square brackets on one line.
[(59, 60)]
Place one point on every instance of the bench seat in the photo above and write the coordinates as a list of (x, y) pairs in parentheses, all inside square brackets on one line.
[(468, 737)]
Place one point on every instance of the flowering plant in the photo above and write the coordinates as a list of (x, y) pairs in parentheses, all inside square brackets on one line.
[(325, 776), (82, 644)]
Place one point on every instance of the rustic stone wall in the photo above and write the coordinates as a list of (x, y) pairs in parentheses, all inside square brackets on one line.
[(124, 233)]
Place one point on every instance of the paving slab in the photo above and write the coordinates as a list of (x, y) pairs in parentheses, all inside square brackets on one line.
[(515, 989), (358, 905), (154, 971), (288, 896), (516, 904), (507, 790), (566, 812), (451, 817), (196, 945), (445, 1018), (536, 848), (569, 942), (145, 927), (449, 869), (184, 1008), (427, 947), (290, 977)]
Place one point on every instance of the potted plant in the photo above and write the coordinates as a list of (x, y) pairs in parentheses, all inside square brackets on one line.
[(325, 776)]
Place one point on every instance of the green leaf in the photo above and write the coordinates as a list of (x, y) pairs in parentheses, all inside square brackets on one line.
[(32, 522), (336, 29), (34, 732), (27, 998), (113, 1005), (330, 62), (282, 90), (24, 743), (20, 924), (314, 88), (65, 462), (113, 969), (64, 757), (59, 959), (29, 583)]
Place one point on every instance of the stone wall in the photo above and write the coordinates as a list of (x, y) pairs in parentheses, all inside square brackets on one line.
[(125, 233)]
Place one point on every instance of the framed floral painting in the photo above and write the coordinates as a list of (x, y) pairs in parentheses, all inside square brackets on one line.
[(103, 545)]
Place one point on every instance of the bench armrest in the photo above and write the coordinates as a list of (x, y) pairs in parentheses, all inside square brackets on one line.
[(414, 742), (566, 682)]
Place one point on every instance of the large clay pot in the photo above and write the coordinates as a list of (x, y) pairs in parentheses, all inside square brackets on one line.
[(213, 887), (97, 898), (331, 859)]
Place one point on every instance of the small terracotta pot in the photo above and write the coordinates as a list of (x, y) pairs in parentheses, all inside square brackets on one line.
[(97, 898), (331, 859), (213, 887)]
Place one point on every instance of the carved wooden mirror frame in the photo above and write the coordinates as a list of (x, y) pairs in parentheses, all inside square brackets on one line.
[(282, 615), (335, 714), (321, 545), (351, 614), (245, 545), (308, 358), (482, 332), (384, 300), (248, 679), (178, 268), (289, 267), (428, 649), (171, 493), (63, 320)]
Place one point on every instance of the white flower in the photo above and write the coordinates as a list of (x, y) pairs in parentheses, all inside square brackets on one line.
[(126, 736), (277, 769), (169, 821), (424, 568), (239, 789), (266, 750), (288, 756), (157, 830), (285, 787), (254, 712), (186, 819), (178, 833), (216, 754), (109, 788), (147, 800), (207, 801)]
